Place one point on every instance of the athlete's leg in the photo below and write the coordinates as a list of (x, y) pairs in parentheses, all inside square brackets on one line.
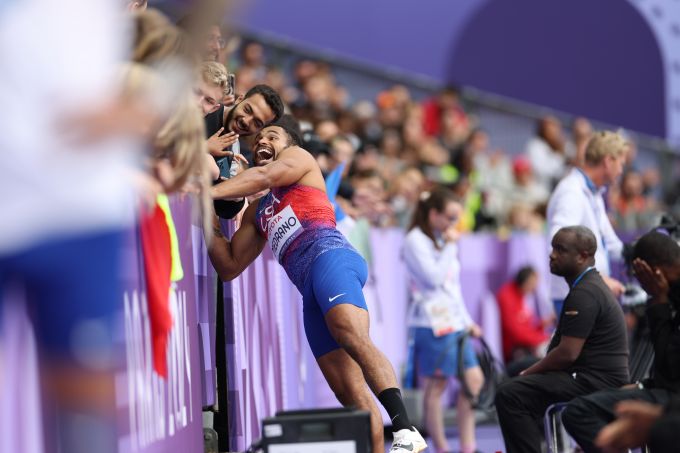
[(349, 325), (336, 283), (347, 382)]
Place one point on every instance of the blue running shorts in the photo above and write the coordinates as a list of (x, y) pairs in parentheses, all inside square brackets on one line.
[(337, 277)]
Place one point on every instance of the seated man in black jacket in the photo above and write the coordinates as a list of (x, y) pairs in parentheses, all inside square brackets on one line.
[(588, 351), (657, 267)]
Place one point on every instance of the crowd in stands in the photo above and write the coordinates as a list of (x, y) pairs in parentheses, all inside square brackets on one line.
[(196, 99), (394, 146)]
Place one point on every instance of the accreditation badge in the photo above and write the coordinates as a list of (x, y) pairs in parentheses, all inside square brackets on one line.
[(438, 310), (283, 227)]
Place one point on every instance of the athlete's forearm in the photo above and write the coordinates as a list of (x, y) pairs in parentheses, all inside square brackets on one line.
[(249, 182), (221, 257)]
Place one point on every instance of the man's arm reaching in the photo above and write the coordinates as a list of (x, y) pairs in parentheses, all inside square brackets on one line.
[(290, 167)]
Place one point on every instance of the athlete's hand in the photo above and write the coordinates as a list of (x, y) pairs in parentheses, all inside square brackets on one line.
[(217, 143)]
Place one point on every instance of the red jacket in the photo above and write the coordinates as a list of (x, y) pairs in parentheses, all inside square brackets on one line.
[(520, 328)]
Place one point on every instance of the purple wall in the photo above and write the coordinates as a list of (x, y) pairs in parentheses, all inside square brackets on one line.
[(599, 59)]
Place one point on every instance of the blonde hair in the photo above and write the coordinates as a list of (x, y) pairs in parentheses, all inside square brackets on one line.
[(156, 39), (215, 74), (180, 139), (605, 143)]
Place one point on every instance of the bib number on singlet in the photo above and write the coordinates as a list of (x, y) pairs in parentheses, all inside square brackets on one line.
[(282, 229)]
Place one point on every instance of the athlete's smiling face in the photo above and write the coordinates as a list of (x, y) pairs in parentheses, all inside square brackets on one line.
[(269, 142)]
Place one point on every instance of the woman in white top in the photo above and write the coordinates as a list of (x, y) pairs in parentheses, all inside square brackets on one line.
[(438, 313)]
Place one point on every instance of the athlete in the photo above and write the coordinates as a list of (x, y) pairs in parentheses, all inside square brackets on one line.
[(298, 221)]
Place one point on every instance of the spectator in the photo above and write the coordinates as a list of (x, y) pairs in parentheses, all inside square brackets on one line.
[(524, 337), (447, 100), (588, 351), (439, 314), (404, 192), (522, 218), (581, 132), (252, 57), (657, 267), (632, 211), (578, 200), (546, 152), (260, 106), (62, 234), (211, 86), (524, 188), (214, 43)]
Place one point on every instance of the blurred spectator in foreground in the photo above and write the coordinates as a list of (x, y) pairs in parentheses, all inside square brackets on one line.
[(631, 210), (439, 315), (65, 192), (137, 5), (578, 200), (546, 152), (524, 334)]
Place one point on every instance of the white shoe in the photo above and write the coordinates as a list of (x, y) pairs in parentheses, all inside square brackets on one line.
[(407, 441)]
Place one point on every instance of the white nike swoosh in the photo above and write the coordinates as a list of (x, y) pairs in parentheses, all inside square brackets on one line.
[(331, 299)]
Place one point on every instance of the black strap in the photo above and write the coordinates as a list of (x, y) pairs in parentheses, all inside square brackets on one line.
[(492, 368)]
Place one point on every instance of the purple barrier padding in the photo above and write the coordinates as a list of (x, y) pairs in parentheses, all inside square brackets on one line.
[(159, 415), (206, 282), (20, 419), (155, 415)]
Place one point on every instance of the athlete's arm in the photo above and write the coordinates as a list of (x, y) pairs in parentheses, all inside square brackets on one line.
[(289, 167), (230, 258)]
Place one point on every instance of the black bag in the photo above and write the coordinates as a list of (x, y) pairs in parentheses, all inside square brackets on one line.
[(493, 371)]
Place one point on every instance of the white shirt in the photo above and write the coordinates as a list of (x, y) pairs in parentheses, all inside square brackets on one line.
[(59, 57), (546, 164), (574, 203), (433, 273)]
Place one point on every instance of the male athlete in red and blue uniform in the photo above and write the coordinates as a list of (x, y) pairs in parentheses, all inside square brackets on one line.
[(298, 221)]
